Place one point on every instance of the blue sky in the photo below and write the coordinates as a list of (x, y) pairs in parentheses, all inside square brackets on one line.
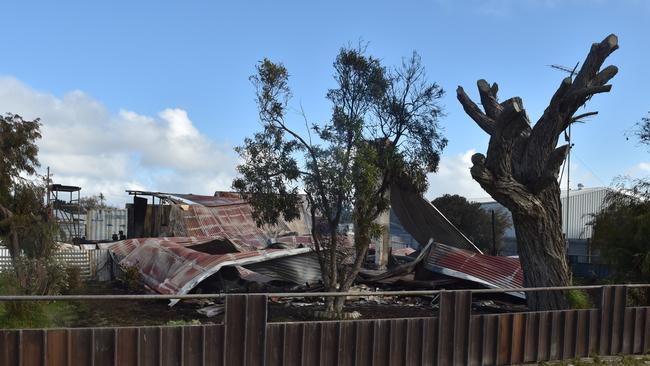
[(154, 94)]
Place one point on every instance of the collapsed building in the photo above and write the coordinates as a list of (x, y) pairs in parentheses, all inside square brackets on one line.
[(193, 243)]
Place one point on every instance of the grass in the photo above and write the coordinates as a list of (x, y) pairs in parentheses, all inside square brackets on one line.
[(184, 322), (603, 360), (36, 314)]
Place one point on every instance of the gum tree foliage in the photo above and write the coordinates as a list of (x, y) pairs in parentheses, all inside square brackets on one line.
[(621, 230), (521, 167), (18, 157), (383, 127), (643, 130), (473, 221), (25, 227), (94, 202)]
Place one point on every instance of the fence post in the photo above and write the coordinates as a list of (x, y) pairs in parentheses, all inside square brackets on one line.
[(612, 317), (245, 330), (454, 322)]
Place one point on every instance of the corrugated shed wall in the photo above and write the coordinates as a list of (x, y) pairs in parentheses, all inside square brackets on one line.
[(102, 224), (582, 203)]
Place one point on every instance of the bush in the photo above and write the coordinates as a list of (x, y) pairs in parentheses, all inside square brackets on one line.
[(37, 277), (132, 278), (579, 299), (43, 276), (74, 280)]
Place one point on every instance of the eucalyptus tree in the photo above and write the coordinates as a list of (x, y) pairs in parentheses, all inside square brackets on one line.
[(383, 129)]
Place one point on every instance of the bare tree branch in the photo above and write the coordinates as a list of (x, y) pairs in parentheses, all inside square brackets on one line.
[(472, 110), (489, 99)]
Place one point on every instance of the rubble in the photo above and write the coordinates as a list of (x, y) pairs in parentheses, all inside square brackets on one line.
[(221, 249), (212, 310)]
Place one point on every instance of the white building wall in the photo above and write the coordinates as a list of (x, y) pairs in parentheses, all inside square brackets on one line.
[(582, 204)]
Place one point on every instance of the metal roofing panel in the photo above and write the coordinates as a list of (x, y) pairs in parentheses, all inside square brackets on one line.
[(209, 201), (423, 221), (235, 223), (487, 270), (168, 266)]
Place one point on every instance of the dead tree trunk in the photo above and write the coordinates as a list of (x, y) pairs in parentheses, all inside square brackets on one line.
[(521, 167)]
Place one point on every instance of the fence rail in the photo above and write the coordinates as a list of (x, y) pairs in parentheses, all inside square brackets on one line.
[(299, 294), (454, 337)]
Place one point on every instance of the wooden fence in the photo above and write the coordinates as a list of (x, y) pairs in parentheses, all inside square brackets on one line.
[(454, 337)]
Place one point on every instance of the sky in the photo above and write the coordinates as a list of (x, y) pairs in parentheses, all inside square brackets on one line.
[(154, 95)]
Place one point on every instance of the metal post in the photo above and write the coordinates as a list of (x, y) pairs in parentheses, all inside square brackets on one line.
[(494, 238), (568, 188)]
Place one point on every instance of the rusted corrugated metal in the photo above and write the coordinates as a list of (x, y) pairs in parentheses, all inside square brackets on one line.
[(486, 270), (210, 201), (170, 266), (234, 222)]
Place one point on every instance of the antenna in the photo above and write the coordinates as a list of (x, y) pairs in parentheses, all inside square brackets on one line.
[(566, 69)]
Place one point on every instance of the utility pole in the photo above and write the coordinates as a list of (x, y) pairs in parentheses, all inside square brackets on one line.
[(494, 237), (47, 184), (568, 188)]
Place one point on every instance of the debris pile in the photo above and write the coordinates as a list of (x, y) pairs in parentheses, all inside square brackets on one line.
[(217, 247)]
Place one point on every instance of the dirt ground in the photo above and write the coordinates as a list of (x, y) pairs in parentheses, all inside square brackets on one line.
[(157, 312), (153, 313)]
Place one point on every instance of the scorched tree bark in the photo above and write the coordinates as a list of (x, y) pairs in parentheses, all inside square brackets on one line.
[(521, 167)]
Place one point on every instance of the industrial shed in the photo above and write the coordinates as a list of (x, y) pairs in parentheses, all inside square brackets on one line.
[(582, 204)]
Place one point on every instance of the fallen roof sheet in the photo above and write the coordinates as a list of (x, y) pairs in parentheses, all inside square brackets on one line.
[(169, 266), (127, 246), (210, 201), (487, 270), (227, 217), (423, 221)]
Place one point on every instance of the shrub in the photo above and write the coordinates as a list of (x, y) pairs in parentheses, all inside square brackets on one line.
[(74, 280), (579, 299), (39, 277), (42, 276), (132, 278)]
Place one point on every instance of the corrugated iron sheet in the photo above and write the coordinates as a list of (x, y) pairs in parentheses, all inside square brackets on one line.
[(420, 219), (169, 266), (101, 224), (582, 204), (487, 270), (229, 218), (210, 201)]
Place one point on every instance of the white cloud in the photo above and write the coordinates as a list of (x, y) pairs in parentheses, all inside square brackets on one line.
[(84, 144), (453, 177), (644, 167)]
